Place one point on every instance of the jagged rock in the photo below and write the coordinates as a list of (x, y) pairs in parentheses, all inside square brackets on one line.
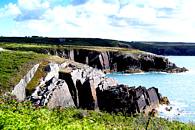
[(87, 95), (153, 97), (164, 100), (72, 88), (111, 61), (61, 96), (52, 70), (83, 81), (128, 100), (73, 84), (19, 89), (55, 93)]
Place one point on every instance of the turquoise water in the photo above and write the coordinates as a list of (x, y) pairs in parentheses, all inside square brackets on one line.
[(179, 88)]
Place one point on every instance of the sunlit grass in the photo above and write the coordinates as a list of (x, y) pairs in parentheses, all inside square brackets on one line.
[(22, 115), (41, 47), (14, 65)]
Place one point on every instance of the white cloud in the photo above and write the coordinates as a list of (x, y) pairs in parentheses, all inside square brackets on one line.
[(10, 10), (33, 4), (171, 20), (164, 3), (146, 15)]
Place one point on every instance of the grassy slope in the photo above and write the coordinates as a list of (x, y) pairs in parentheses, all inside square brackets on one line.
[(14, 65), (15, 115)]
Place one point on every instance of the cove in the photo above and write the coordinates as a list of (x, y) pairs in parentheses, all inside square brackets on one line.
[(178, 87)]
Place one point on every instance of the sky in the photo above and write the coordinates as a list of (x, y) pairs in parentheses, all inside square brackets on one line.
[(128, 20)]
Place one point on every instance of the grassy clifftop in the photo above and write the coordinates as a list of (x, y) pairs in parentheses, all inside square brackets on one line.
[(16, 63), (161, 48), (40, 47)]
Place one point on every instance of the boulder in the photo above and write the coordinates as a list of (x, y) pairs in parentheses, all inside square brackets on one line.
[(87, 95), (54, 93), (128, 100), (164, 100), (61, 96)]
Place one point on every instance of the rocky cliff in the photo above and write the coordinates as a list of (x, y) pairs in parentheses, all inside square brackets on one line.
[(77, 85), (114, 61), (159, 48), (108, 59)]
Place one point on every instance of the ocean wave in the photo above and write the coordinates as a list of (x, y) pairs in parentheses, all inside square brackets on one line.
[(174, 111)]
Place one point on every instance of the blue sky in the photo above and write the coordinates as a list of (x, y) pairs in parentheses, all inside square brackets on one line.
[(146, 20)]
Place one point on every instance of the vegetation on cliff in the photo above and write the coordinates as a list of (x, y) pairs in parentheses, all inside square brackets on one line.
[(14, 65), (40, 48), (160, 48), (22, 115)]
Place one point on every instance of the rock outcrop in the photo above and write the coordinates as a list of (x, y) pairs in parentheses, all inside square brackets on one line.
[(77, 85), (114, 61), (19, 89), (129, 100)]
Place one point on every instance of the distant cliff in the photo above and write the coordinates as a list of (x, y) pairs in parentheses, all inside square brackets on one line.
[(132, 61), (165, 48), (160, 48), (108, 59)]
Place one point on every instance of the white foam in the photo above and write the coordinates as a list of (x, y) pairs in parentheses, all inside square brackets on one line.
[(172, 111)]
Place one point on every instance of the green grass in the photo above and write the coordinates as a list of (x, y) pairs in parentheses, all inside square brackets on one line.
[(14, 65), (40, 48), (24, 116)]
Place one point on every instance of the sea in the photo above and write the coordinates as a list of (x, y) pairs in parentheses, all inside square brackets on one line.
[(178, 87)]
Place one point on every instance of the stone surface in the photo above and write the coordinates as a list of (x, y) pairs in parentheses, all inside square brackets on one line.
[(55, 93), (110, 61), (52, 70), (87, 95), (19, 89), (128, 100), (164, 100), (73, 84), (61, 96)]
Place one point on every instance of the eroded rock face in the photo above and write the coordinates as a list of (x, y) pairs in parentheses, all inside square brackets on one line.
[(73, 84), (110, 61), (61, 96), (54, 93), (129, 100)]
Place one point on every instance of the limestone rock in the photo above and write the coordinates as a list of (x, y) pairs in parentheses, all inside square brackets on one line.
[(19, 89), (55, 93), (52, 70), (61, 96), (73, 84)]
